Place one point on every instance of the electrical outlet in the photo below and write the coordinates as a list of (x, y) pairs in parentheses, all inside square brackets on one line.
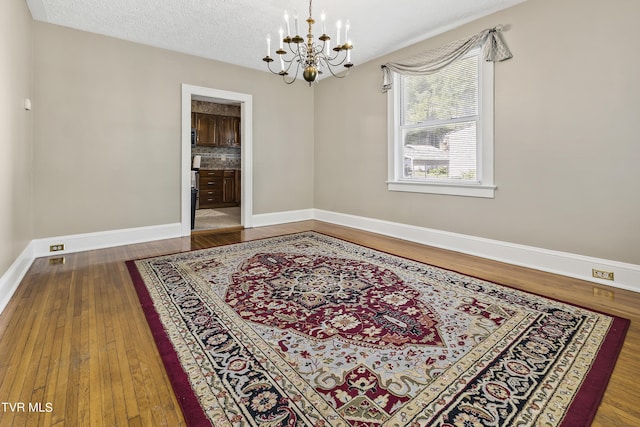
[(56, 260), (601, 274), (603, 293), (56, 248)]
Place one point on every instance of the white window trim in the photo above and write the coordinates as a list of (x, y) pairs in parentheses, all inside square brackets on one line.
[(485, 187)]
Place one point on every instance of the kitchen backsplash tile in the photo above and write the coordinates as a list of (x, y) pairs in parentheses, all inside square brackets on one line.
[(217, 157)]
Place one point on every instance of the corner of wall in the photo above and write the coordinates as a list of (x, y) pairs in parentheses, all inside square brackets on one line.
[(16, 143)]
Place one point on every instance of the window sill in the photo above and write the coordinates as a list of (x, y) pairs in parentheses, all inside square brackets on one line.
[(452, 189)]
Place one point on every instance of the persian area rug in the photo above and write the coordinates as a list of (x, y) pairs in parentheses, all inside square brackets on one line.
[(309, 330)]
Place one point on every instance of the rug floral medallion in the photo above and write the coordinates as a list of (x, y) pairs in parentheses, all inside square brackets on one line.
[(309, 330)]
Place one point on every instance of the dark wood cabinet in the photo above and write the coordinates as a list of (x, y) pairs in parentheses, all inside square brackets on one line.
[(219, 188), (207, 130), (229, 187), (229, 131), (213, 130), (211, 184)]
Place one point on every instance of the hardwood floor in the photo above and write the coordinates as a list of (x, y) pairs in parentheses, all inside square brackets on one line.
[(75, 345)]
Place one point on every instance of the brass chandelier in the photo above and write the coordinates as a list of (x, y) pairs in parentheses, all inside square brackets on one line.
[(310, 56)]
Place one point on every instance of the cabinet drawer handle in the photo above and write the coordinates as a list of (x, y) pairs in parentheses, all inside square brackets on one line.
[(211, 182)]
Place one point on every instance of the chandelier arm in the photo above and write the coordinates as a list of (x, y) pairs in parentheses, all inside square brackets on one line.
[(296, 51), (330, 58), (284, 72), (302, 51), (289, 63), (330, 66), (284, 79), (295, 77), (337, 64), (269, 67), (333, 61), (318, 51), (338, 76)]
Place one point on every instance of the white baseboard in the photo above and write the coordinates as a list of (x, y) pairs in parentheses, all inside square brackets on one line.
[(75, 243), (275, 218), (627, 276), (13, 276), (106, 239)]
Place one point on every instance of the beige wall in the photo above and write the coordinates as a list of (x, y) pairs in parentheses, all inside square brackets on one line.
[(16, 84), (567, 135), (107, 133)]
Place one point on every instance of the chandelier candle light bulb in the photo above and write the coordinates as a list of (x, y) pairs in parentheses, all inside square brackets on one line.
[(268, 44), (286, 19), (312, 56), (346, 31)]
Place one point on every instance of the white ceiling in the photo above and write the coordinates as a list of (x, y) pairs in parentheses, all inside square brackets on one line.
[(234, 31)]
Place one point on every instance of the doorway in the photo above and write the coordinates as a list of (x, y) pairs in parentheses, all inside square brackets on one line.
[(243, 175)]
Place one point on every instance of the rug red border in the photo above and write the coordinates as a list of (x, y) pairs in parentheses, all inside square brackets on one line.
[(581, 411), (191, 409), (585, 405)]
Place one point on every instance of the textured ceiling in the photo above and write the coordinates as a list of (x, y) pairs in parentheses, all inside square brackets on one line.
[(234, 31)]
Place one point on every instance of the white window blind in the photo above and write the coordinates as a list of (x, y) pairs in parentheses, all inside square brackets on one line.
[(439, 126)]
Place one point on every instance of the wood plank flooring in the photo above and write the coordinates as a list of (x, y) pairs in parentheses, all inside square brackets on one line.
[(75, 345)]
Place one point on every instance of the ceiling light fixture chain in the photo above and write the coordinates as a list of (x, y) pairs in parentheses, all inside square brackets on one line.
[(310, 56)]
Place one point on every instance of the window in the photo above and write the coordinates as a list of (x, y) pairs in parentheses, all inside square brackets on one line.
[(441, 130)]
